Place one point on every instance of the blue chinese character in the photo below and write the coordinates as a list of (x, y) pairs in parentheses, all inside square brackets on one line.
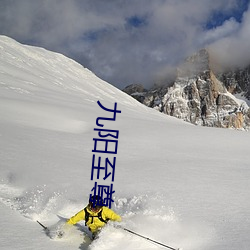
[(98, 168), (109, 110), (115, 135), (103, 146), (103, 190)]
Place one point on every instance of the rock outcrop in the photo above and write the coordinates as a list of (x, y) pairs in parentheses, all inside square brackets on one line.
[(199, 96)]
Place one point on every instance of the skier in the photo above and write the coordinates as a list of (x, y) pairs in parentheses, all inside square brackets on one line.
[(95, 215)]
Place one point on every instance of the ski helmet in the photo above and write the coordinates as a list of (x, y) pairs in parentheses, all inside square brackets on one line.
[(96, 201)]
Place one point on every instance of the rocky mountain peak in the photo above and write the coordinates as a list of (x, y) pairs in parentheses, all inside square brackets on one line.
[(196, 64), (200, 96)]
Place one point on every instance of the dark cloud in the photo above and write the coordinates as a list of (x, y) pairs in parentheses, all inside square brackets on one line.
[(131, 41)]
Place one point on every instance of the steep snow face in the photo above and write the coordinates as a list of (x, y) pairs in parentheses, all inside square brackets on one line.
[(179, 184), (36, 74)]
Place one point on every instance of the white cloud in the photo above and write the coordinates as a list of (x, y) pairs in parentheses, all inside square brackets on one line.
[(233, 50), (97, 32), (228, 28)]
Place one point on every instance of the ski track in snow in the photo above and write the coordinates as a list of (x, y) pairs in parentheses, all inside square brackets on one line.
[(143, 214)]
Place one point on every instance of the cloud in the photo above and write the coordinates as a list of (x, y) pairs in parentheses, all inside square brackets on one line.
[(233, 49), (121, 41), (228, 28)]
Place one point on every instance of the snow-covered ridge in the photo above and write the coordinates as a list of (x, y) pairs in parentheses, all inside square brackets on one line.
[(34, 66), (34, 74)]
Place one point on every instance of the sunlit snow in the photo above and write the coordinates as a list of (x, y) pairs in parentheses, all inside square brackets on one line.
[(182, 185)]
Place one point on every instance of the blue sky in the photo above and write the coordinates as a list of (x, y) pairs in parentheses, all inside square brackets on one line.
[(218, 17), (131, 41)]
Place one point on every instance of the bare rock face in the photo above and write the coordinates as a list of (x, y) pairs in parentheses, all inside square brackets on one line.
[(137, 91), (200, 97), (197, 96), (237, 81), (134, 88)]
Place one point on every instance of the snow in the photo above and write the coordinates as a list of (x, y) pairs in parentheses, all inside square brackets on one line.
[(182, 185), (242, 99)]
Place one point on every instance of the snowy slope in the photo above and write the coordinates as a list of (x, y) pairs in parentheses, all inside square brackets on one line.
[(182, 185)]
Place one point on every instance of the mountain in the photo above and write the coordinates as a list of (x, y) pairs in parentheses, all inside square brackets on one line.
[(182, 185), (237, 81), (202, 97)]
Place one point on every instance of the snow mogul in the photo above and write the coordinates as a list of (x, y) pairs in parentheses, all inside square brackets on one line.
[(95, 215)]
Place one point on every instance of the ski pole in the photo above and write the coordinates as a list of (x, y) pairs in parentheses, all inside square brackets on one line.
[(45, 228), (159, 243)]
